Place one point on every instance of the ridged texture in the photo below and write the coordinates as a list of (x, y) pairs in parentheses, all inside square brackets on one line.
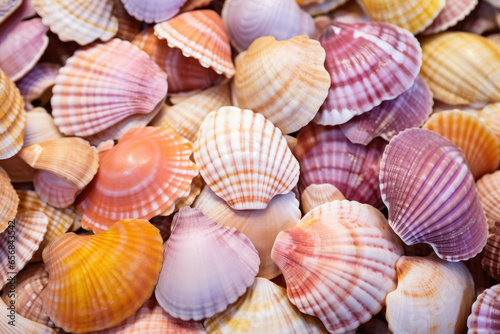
[(260, 226), (37, 84), (152, 10), (8, 7), (94, 268), (323, 7), (368, 63), (431, 196), (206, 267), (9, 203), (17, 169), (103, 84), (408, 110), (293, 74), (244, 158), (453, 11), (246, 21), (199, 34), (433, 296), (491, 256), (339, 263), (40, 127), (143, 175), (80, 21), (194, 4), (488, 190), (128, 27), (20, 323), (485, 316), (481, 20), (490, 115), (264, 308), (327, 156), (317, 194)]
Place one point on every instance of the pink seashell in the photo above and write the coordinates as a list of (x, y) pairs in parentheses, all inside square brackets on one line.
[(37, 84), (357, 86), (453, 11), (152, 10), (430, 193), (206, 267), (8, 7), (55, 190), (386, 120), (481, 20), (485, 316)]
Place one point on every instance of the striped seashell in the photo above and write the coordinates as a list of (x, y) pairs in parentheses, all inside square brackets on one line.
[(194, 4), (317, 194), (24, 11), (151, 11), (147, 163), (338, 263), (36, 85), (485, 316), (246, 21), (436, 202), (17, 169), (295, 72), (386, 120), (490, 115), (199, 34), (8, 7), (54, 189), (395, 57), (491, 255), (244, 158), (260, 226), (40, 127), (9, 203), (82, 22), (20, 323), (432, 296), (218, 265), (128, 27), (264, 308), (118, 81), (453, 12), (488, 191)]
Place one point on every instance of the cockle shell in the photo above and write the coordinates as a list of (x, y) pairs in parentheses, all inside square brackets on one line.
[(485, 312), (40, 127), (103, 84), (37, 84), (54, 189), (358, 86), (339, 263), (430, 193), (20, 323), (244, 158), (206, 267), (142, 176), (432, 296), (10, 201), (264, 308), (294, 72), (79, 21), (93, 267), (8, 7), (453, 11), (151, 11), (316, 194), (488, 190)]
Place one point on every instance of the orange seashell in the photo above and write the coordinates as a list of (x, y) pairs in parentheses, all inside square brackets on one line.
[(488, 190), (17, 169), (37, 84), (40, 127), (9, 203)]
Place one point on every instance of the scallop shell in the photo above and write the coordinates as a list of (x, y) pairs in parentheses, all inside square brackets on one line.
[(55, 190), (83, 264), (431, 195), (264, 308), (260, 226), (143, 175), (358, 86), (17, 169), (338, 263), (8, 7), (316, 194), (20, 324), (485, 316), (295, 76), (490, 115), (37, 84), (491, 256), (244, 158), (207, 267), (82, 22), (152, 10), (488, 190), (40, 127), (433, 296), (9, 203), (453, 11), (103, 84)]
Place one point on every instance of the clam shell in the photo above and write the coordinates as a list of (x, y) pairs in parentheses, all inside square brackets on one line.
[(358, 86), (338, 263), (80, 270), (430, 193), (206, 267), (9, 203), (485, 316), (37, 84), (152, 10), (20, 324), (244, 158), (491, 256), (488, 190), (264, 308), (316, 194), (295, 76), (103, 84), (40, 127), (453, 11), (8, 7)]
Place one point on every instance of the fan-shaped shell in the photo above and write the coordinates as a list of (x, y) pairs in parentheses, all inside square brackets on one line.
[(244, 158), (339, 263), (453, 11), (17, 169), (8, 7), (40, 127), (10, 201), (152, 10), (488, 190), (490, 115), (20, 324), (93, 267), (317, 194), (294, 75), (485, 312), (37, 84), (431, 196)]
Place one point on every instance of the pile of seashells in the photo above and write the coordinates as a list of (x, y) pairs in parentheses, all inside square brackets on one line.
[(249, 166)]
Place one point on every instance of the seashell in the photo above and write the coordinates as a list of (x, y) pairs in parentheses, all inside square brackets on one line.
[(432, 296), (83, 263), (40, 127), (152, 10), (218, 265), (357, 87), (491, 256), (17, 169), (478, 59), (485, 316), (481, 278), (119, 81), (291, 142), (199, 34), (481, 20), (22, 325), (9, 203), (22, 47), (37, 84), (436, 202), (264, 308), (244, 158), (490, 115), (82, 22), (488, 190), (55, 190), (195, 190), (8, 7), (386, 120), (453, 12), (338, 263), (322, 7), (351, 12), (413, 15), (260, 226), (128, 27), (296, 76), (194, 4), (148, 163), (246, 21), (316, 194), (327, 156)]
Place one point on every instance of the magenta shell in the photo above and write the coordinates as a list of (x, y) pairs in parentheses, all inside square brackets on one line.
[(485, 316)]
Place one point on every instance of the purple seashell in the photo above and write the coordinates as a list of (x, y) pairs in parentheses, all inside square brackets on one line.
[(431, 195), (485, 316), (453, 12), (153, 10)]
